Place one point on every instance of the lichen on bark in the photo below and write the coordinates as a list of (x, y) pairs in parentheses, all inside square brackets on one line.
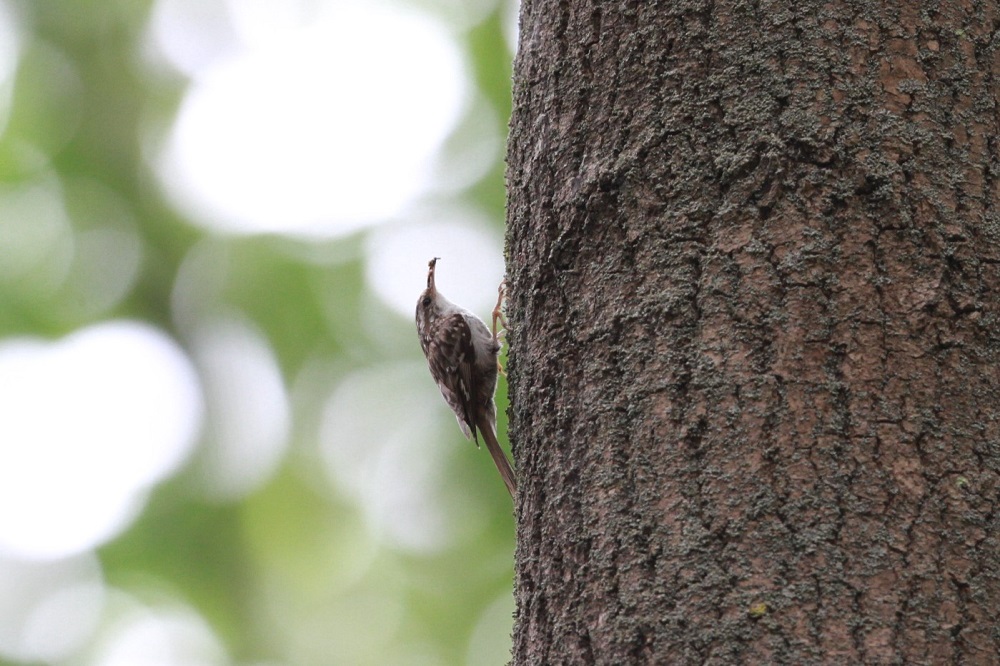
[(753, 256)]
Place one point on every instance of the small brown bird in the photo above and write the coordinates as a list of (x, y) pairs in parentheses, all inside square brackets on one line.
[(462, 355)]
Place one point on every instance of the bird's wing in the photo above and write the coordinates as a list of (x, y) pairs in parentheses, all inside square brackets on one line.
[(451, 360)]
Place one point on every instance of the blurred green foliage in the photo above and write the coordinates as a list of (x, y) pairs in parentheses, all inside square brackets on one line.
[(289, 574)]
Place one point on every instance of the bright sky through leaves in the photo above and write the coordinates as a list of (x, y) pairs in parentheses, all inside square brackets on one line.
[(328, 122), (90, 423), (190, 333)]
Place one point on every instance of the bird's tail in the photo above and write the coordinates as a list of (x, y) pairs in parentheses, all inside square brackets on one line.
[(499, 458)]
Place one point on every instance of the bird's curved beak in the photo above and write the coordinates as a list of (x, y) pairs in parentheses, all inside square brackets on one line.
[(430, 273)]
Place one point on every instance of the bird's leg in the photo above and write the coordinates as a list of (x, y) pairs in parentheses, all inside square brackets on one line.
[(498, 316), (497, 313)]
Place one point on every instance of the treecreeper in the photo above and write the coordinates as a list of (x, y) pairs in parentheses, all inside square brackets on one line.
[(463, 356)]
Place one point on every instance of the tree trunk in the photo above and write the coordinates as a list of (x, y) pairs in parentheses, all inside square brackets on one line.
[(755, 295)]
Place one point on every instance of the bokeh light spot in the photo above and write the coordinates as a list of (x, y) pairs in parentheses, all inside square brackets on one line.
[(10, 47), (248, 413), (469, 272), (172, 636), (320, 129), (48, 609), (384, 454), (488, 644), (89, 424), (36, 239)]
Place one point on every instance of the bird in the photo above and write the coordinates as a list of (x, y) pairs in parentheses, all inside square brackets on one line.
[(463, 357)]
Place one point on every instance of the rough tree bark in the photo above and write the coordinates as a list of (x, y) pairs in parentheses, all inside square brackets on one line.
[(754, 257)]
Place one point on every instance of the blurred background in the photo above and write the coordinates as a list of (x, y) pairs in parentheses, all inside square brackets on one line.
[(219, 442)]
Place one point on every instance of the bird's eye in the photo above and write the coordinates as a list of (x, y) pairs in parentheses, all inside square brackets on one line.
[(425, 301)]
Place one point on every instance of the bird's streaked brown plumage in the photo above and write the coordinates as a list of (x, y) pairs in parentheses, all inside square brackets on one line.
[(462, 356)]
